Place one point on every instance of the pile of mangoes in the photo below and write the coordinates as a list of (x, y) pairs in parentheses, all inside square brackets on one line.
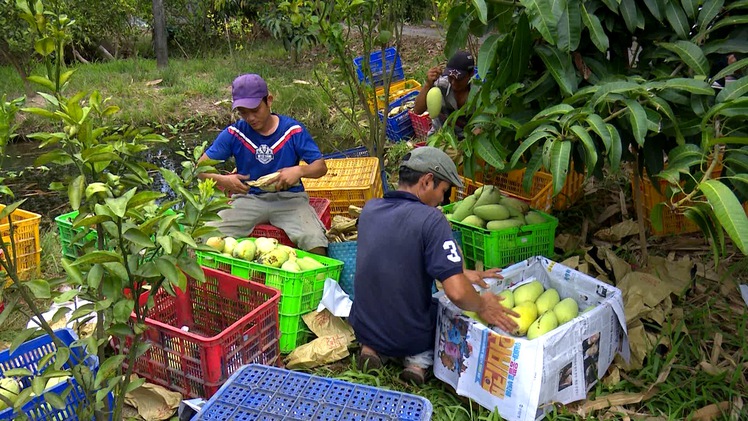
[(488, 208)]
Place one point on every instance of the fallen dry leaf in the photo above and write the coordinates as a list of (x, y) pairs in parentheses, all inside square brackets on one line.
[(153, 82), (711, 412), (618, 231)]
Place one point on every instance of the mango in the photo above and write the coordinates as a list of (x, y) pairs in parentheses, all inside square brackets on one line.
[(228, 244), (501, 225), (547, 301), (513, 211), (508, 298), (534, 217), (473, 315), (216, 242), (308, 263), (489, 195), (520, 219), (475, 221), (515, 203), (466, 208), (527, 314), (245, 250), (291, 266), (544, 324), (566, 310), (528, 292), (275, 258), (491, 212), (434, 100)]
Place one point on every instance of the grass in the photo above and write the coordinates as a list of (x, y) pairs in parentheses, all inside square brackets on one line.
[(197, 91)]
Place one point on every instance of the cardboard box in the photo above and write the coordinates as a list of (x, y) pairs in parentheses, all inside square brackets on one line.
[(522, 378)]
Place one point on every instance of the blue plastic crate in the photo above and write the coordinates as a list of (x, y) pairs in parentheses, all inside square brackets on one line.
[(27, 355), (257, 392), (377, 72), (346, 253), (399, 126), (358, 152)]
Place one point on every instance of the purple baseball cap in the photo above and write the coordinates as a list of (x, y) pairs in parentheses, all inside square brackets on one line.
[(248, 91)]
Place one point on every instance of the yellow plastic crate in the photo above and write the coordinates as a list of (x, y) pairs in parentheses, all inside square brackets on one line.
[(397, 90), (26, 236), (349, 181)]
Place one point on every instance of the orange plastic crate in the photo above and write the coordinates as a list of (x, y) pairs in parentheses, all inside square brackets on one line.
[(571, 192), (26, 236), (540, 196), (349, 181)]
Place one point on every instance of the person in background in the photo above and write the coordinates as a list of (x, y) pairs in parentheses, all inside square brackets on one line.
[(404, 243), (454, 82), (263, 143)]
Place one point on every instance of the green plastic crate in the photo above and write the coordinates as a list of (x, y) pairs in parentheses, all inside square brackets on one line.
[(504, 247), (301, 292), (74, 240)]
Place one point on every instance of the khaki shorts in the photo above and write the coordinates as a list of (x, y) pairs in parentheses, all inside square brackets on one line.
[(289, 211)]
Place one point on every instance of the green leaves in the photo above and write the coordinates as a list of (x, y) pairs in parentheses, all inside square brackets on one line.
[(560, 155), (560, 67), (487, 54), (729, 212), (542, 18), (75, 191), (708, 12), (734, 90), (677, 18), (638, 119), (691, 54), (570, 27), (598, 35), (480, 7)]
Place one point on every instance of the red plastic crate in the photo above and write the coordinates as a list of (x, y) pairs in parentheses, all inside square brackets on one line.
[(421, 124), (231, 322), (320, 205)]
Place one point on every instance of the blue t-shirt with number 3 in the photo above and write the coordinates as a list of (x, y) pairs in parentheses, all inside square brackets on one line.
[(403, 245)]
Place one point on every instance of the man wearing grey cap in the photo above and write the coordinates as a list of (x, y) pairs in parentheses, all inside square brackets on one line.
[(263, 143), (404, 243)]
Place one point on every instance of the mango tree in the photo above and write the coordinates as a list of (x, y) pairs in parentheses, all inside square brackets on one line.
[(600, 82), (140, 244)]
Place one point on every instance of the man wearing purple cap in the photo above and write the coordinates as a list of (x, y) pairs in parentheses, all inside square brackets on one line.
[(263, 143), (454, 83)]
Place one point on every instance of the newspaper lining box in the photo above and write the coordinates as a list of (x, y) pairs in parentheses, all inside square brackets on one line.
[(520, 377)]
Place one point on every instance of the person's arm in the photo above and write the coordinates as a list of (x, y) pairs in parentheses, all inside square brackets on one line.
[(290, 176), (460, 291), (229, 183), (431, 77)]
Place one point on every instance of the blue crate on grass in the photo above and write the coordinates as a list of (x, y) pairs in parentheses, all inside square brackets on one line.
[(346, 253), (358, 152), (27, 356), (377, 72), (399, 126), (257, 392)]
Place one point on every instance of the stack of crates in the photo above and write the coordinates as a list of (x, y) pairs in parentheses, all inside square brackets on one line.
[(398, 126), (301, 292), (257, 392), (26, 255), (349, 181)]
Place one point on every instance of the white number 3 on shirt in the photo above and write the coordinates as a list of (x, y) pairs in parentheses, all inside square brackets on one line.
[(451, 248)]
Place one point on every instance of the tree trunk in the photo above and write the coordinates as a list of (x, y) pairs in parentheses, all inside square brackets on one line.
[(159, 34), (13, 60)]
